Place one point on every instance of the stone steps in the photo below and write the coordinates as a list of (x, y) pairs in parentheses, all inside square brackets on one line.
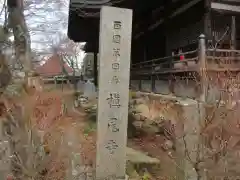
[(139, 162), (138, 157)]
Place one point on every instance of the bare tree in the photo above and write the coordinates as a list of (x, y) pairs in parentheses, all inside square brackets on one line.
[(21, 34), (70, 53), (24, 142)]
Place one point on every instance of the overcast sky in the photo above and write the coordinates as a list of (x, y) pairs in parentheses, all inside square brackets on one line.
[(47, 22)]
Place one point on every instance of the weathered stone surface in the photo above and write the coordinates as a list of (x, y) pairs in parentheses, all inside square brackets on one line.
[(137, 157), (113, 95), (137, 162)]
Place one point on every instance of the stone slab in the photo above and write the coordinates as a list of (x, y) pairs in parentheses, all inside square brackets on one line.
[(138, 157), (113, 97)]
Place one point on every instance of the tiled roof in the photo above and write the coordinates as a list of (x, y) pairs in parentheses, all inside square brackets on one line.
[(53, 67)]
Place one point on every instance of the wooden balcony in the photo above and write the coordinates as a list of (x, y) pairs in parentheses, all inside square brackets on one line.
[(216, 60)]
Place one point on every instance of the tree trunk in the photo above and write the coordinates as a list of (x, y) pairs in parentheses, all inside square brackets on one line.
[(22, 53), (74, 79), (5, 74), (21, 35)]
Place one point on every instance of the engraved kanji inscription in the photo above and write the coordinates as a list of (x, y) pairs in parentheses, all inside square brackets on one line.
[(116, 38), (117, 25), (112, 125), (116, 66), (116, 52), (114, 100), (115, 80), (111, 146)]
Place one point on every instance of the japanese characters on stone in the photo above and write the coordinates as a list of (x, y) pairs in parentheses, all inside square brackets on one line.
[(116, 38), (116, 52), (116, 34), (113, 124), (115, 80), (115, 66), (111, 146), (114, 100), (117, 25)]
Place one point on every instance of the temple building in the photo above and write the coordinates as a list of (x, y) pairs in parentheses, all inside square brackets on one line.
[(163, 27)]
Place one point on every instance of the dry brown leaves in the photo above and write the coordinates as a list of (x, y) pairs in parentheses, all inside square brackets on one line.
[(156, 109), (223, 127), (62, 132), (47, 108)]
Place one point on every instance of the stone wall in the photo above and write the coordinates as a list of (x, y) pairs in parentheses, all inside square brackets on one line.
[(182, 88)]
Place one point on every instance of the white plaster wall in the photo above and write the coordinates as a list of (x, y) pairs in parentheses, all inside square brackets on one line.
[(185, 89), (162, 87), (146, 86), (135, 84)]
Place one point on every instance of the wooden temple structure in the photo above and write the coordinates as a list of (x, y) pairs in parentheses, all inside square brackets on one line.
[(163, 28)]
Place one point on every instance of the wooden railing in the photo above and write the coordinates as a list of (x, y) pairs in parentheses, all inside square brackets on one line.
[(204, 63), (167, 64), (214, 60), (223, 60)]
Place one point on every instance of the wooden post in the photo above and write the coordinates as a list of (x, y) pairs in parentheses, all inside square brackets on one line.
[(233, 33), (140, 84), (153, 83), (153, 88), (202, 65), (188, 135), (55, 81), (188, 141), (171, 84), (113, 97), (203, 99), (207, 19), (62, 82), (233, 54), (95, 68)]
